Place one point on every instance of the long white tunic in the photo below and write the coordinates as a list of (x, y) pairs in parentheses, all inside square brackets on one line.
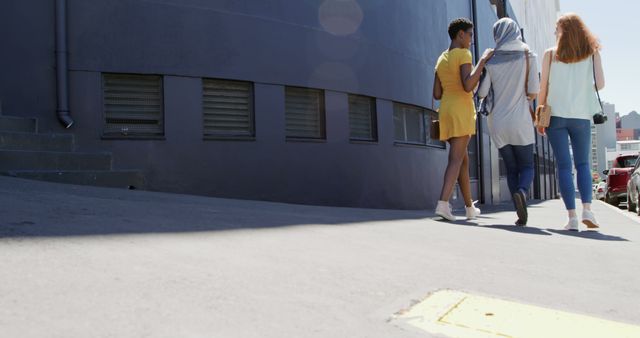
[(510, 121)]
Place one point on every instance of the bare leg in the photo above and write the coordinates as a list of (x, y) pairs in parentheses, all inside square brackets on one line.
[(457, 151), (464, 181)]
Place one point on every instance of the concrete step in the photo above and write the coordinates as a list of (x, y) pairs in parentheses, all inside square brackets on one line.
[(53, 160), (18, 124), (131, 179), (36, 142)]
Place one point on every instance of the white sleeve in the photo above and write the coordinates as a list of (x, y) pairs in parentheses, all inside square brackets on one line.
[(483, 90), (534, 77)]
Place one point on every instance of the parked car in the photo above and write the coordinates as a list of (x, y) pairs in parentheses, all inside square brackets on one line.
[(633, 189), (598, 192), (617, 178)]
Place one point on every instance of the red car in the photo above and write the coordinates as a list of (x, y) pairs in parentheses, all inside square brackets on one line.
[(617, 178)]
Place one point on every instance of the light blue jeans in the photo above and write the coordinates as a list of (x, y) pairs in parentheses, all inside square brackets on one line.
[(560, 131)]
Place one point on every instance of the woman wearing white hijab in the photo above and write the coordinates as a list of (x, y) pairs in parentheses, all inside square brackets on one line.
[(510, 122)]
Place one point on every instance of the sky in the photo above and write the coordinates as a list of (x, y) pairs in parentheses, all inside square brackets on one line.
[(615, 23)]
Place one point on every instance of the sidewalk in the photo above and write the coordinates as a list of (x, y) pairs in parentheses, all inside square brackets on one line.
[(83, 261)]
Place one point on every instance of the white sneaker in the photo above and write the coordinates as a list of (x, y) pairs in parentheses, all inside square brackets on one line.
[(589, 220), (573, 224), (444, 210), (472, 212)]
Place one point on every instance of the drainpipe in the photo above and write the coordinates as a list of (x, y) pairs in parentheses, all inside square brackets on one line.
[(61, 64), (501, 7), (480, 140)]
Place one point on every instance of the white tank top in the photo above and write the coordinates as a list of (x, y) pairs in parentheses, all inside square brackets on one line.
[(572, 92)]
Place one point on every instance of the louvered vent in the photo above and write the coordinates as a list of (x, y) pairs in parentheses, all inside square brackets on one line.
[(305, 113), (132, 105), (227, 108), (362, 118)]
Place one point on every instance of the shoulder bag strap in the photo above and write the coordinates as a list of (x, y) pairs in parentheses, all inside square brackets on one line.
[(546, 94), (526, 76), (595, 82), (526, 84)]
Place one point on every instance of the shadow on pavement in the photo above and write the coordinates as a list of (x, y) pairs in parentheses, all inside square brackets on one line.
[(30, 209), (506, 227), (149, 218), (519, 229), (595, 235)]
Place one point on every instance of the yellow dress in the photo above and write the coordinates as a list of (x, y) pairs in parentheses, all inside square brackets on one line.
[(457, 110)]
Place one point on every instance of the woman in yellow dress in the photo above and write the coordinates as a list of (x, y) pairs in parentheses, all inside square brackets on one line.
[(454, 82)]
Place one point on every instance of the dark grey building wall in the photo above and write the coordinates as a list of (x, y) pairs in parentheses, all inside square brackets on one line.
[(282, 42), (335, 172), (390, 56), (27, 63)]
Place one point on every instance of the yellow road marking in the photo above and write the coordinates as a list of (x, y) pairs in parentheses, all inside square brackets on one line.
[(458, 314)]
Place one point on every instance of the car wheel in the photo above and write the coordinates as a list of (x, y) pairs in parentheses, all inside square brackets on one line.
[(609, 200), (630, 205)]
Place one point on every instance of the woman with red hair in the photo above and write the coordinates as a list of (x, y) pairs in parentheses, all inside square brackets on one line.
[(571, 72)]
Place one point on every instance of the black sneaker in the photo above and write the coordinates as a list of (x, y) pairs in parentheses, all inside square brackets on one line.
[(520, 200)]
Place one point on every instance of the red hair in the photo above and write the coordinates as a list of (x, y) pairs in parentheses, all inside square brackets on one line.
[(575, 40)]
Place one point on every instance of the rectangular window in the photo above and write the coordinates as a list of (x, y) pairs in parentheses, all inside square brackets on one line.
[(412, 125), (362, 118), (409, 124), (133, 106), (628, 146), (305, 115), (227, 108)]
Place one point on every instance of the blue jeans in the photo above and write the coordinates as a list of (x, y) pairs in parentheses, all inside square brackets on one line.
[(560, 131), (519, 163)]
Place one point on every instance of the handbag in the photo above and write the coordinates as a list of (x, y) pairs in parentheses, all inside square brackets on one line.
[(543, 116), (434, 128), (543, 111), (600, 117)]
